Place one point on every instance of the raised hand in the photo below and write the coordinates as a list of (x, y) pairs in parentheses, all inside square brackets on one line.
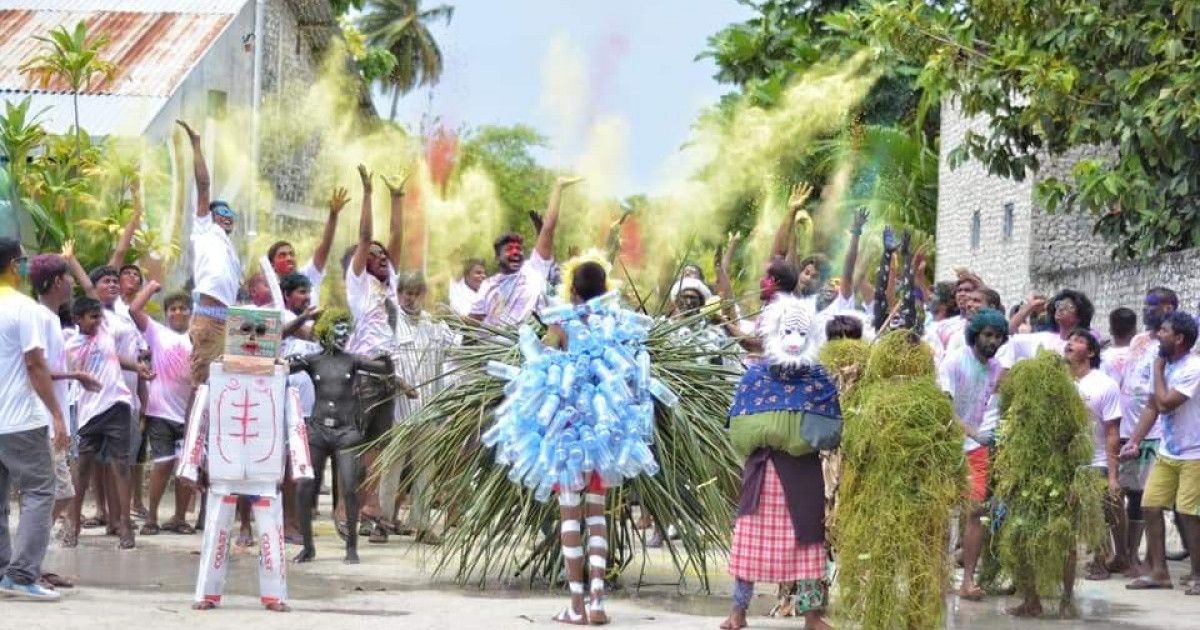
[(800, 193), (890, 245), (566, 182), (396, 187), (906, 242), (726, 257), (68, 249), (365, 176), (153, 286), (192, 135), (535, 217), (338, 200), (860, 219)]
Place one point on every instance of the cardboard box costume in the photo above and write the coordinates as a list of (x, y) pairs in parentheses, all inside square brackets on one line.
[(245, 425)]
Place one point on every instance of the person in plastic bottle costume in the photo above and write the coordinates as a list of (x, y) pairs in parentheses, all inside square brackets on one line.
[(335, 428), (245, 424)]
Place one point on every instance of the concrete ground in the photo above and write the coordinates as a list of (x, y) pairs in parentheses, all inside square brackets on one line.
[(152, 585)]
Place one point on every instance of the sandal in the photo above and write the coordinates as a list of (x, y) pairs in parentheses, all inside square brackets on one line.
[(1096, 573), (180, 528), (1146, 583), (57, 581), (377, 534), (150, 529), (1193, 590), (976, 594), (127, 542), (343, 531), (139, 512), (92, 522)]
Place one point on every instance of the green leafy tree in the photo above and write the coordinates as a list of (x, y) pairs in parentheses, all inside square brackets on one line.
[(74, 58), (506, 154), (20, 134), (402, 28), (1117, 78)]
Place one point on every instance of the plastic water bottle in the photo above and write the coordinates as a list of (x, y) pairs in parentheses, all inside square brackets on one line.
[(527, 341), (544, 489), (553, 377), (502, 370), (575, 465), (547, 410), (557, 314), (492, 436), (567, 381), (637, 320), (617, 360), (626, 465), (643, 369), (663, 393), (604, 413), (644, 458)]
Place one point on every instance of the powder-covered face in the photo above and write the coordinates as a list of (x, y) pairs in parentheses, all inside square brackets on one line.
[(787, 339), (338, 335)]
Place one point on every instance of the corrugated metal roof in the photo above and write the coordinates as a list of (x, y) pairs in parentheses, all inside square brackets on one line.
[(138, 6), (152, 51)]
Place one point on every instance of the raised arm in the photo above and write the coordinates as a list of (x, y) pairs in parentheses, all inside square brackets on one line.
[(81, 277), (203, 183), (337, 201), (296, 327), (365, 227), (785, 233), (118, 256), (1033, 304), (856, 228), (545, 239), (137, 308), (396, 218)]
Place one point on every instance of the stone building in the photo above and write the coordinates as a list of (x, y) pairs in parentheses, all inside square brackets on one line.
[(186, 59), (993, 226)]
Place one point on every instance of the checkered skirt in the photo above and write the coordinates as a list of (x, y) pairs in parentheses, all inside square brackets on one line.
[(764, 544)]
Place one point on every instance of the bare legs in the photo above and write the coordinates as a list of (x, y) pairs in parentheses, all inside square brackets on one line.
[(972, 546), (597, 527), (571, 512)]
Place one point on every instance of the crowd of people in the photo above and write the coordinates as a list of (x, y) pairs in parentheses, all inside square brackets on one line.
[(97, 382)]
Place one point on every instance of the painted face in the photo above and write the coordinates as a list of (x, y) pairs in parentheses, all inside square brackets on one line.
[(475, 277), (131, 281), (340, 334), (89, 322), (767, 288), (688, 300), (787, 343), (512, 256), (988, 342), (179, 315), (962, 293), (691, 271), (412, 300), (298, 299), (1155, 310), (108, 289), (252, 332), (285, 260)]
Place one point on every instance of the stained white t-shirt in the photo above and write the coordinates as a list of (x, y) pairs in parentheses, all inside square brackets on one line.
[(509, 299), (216, 268), (1138, 386), (1102, 397), (56, 360), (463, 298), (1181, 427), (374, 308), (294, 346), (170, 358), (130, 345), (1026, 345), (972, 387), (21, 330), (945, 336), (97, 355)]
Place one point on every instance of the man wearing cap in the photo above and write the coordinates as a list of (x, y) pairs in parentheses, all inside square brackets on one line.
[(216, 269)]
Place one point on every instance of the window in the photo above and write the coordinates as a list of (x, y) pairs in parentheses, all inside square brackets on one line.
[(975, 221), (217, 104), (1008, 221)]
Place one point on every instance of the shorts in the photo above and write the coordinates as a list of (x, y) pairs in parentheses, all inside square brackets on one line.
[(1174, 484), (208, 342), (64, 486), (978, 465), (107, 434), (165, 438), (1132, 473), (137, 449)]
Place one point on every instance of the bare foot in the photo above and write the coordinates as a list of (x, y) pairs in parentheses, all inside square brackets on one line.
[(569, 617), (1068, 610), (203, 605), (1025, 609), (735, 621), (971, 593), (305, 555)]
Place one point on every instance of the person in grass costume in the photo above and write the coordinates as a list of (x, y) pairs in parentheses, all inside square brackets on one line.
[(784, 412)]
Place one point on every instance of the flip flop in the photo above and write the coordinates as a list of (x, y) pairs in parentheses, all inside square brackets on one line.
[(1193, 590), (182, 529), (1145, 584), (57, 581), (974, 595), (150, 529), (92, 522)]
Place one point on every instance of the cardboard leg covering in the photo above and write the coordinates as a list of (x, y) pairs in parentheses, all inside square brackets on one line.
[(272, 565), (214, 554)]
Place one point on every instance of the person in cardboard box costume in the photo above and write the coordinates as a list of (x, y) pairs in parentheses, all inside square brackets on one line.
[(245, 425)]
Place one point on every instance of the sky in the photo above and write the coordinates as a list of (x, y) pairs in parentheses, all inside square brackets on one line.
[(613, 81)]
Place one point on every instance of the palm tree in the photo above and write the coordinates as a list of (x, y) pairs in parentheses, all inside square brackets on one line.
[(402, 27), (73, 57)]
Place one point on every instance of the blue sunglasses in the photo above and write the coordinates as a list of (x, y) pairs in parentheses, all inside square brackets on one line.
[(223, 210)]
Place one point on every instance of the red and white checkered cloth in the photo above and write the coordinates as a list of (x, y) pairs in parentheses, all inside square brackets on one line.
[(764, 544)]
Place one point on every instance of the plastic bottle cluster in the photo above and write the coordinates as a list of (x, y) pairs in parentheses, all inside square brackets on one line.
[(588, 410)]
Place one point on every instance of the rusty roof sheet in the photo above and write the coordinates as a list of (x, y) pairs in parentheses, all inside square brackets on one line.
[(153, 52)]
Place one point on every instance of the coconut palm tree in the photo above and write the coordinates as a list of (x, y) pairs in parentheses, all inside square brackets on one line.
[(74, 58), (402, 27)]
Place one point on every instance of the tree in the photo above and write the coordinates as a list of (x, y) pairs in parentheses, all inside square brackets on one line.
[(1058, 77), (506, 153), (74, 58), (402, 27)]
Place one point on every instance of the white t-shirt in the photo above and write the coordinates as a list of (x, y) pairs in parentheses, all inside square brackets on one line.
[(1026, 345), (972, 387), (1181, 427), (130, 344), (946, 336), (1138, 386), (315, 277), (21, 330), (170, 358), (1114, 362), (374, 308), (509, 299), (1102, 397), (97, 355), (56, 361), (462, 298), (291, 347), (216, 268)]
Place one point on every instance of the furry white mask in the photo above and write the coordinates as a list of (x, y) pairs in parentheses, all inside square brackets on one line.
[(786, 338)]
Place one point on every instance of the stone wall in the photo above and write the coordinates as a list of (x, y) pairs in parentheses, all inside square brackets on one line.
[(1046, 252)]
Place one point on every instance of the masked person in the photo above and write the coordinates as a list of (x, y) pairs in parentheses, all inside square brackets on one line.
[(335, 427), (784, 412)]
